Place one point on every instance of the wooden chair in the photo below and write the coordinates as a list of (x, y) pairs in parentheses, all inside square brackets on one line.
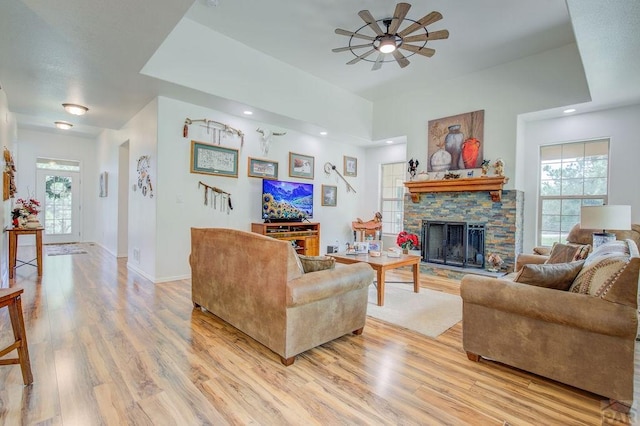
[(11, 298)]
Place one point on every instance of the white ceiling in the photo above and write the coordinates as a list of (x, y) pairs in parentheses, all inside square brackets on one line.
[(91, 51)]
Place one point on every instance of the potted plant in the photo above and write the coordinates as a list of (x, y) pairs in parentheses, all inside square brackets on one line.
[(407, 241)]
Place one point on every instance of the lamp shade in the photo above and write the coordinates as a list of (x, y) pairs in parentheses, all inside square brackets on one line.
[(617, 218)]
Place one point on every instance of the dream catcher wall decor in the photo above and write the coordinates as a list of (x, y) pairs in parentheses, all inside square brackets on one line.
[(144, 180)]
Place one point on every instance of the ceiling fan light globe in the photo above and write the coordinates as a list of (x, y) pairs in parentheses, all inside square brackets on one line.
[(387, 46)]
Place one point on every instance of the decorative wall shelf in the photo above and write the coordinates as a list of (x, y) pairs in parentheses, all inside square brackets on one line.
[(492, 184)]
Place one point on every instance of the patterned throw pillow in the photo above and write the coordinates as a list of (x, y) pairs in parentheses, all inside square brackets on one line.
[(564, 253), (558, 276), (599, 274), (316, 263)]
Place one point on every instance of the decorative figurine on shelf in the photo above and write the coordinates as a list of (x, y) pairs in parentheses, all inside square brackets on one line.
[(485, 167), (413, 167), (494, 260), (499, 167)]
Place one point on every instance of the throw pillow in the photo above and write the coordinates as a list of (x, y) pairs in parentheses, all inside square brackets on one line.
[(558, 276), (599, 274), (563, 253), (316, 263)]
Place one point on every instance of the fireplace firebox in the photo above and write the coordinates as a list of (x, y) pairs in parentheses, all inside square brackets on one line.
[(453, 243)]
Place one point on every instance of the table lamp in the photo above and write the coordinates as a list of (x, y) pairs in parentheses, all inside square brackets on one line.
[(616, 218)]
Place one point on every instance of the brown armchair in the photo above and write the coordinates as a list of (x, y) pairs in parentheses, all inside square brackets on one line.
[(575, 236), (256, 284)]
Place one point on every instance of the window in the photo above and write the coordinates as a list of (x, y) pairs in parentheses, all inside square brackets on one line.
[(571, 175), (393, 177)]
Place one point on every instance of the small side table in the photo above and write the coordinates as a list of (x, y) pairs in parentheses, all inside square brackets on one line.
[(13, 248)]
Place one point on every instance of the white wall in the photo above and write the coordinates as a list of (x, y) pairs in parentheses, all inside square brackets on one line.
[(8, 136), (180, 201), (621, 125), (551, 79), (58, 145), (195, 56)]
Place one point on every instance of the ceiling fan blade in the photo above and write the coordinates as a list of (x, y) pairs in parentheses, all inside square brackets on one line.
[(422, 22), (435, 35), (369, 19), (378, 63), (344, 49), (352, 34), (402, 61), (361, 57), (424, 51), (398, 16)]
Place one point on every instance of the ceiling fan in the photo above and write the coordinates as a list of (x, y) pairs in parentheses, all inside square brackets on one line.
[(390, 40)]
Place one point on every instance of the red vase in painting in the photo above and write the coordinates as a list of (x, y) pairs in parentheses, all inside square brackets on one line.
[(470, 151)]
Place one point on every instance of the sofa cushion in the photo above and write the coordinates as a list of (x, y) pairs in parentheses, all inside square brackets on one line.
[(563, 253), (602, 269), (316, 263), (558, 276)]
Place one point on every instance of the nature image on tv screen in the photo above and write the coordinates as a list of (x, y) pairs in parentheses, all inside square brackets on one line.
[(286, 200)]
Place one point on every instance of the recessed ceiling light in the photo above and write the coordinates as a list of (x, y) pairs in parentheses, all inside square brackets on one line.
[(389, 141), (323, 133), (64, 125), (247, 112), (75, 109), (569, 111)]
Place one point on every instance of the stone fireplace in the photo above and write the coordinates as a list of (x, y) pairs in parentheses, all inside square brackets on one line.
[(453, 243), (502, 221)]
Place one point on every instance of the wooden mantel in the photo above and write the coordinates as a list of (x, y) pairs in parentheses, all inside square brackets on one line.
[(493, 184)]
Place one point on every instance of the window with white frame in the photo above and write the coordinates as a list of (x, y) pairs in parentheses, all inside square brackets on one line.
[(392, 201), (571, 175)]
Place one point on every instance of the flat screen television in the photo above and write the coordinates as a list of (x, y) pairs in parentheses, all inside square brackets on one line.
[(286, 201)]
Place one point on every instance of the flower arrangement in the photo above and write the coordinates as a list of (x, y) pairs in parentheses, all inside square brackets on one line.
[(23, 209), (406, 240)]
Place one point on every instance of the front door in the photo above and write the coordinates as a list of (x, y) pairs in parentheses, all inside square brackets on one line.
[(59, 191)]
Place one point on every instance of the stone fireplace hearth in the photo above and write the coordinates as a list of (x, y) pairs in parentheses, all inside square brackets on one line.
[(502, 222)]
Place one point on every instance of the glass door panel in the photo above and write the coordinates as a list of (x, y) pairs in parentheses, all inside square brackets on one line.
[(58, 192)]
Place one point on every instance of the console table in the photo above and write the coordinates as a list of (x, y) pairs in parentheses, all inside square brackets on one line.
[(306, 236), (13, 248)]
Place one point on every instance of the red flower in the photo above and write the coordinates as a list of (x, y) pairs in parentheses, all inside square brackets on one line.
[(407, 240)]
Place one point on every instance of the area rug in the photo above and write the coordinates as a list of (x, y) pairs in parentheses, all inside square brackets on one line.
[(62, 249), (429, 312)]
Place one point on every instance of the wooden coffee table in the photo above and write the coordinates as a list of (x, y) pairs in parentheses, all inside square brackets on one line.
[(382, 264)]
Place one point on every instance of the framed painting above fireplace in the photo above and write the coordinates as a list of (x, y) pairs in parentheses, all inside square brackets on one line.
[(456, 142)]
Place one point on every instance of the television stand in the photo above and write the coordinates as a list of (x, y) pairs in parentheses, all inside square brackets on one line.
[(306, 236)]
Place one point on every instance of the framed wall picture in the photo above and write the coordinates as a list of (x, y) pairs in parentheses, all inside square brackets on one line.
[(265, 169), (301, 166), (456, 142), (103, 184), (329, 195), (213, 160), (350, 166)]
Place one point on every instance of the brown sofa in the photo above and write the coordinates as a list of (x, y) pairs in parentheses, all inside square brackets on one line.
[(575, 236), (584, 340), (257, 284)]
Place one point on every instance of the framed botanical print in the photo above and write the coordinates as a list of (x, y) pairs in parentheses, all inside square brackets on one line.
[(350, 166), (329, 195), (301, 165)]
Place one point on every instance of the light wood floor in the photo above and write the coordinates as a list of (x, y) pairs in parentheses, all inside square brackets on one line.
[(109, 347)]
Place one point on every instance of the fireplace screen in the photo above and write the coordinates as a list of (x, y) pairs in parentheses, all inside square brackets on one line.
[(453, 243)]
